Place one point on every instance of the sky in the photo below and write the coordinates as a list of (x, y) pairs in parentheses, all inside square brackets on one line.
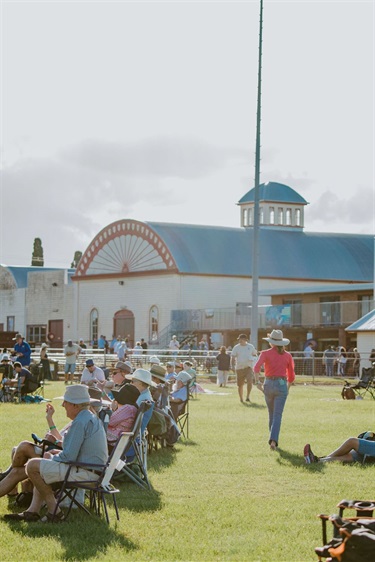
[(147, 110)]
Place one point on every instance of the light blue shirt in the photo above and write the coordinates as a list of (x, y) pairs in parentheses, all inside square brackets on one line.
[(85, 441)]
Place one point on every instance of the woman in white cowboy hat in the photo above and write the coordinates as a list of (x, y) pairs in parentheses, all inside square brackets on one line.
[(279, 375)]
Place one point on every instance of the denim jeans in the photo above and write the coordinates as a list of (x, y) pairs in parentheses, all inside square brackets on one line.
[(275, 393)]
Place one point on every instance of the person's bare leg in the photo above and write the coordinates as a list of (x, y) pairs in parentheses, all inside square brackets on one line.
[(240, 391), (24, 451), (249, 387), (343, 452), (42, 491), (16, 475)]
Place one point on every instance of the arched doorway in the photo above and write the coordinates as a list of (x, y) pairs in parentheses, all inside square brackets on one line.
[(123, 325)]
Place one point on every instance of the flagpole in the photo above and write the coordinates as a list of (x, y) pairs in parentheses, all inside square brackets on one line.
[(256, 227)]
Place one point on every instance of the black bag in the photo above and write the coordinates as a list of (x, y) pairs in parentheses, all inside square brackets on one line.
[(157, 425), (356, 543)]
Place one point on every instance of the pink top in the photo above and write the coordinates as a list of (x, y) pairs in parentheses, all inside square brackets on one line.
[(276, 364), (121, 420)]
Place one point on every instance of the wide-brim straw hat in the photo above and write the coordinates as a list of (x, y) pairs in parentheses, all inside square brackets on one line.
[(141, 375), (276, 337)]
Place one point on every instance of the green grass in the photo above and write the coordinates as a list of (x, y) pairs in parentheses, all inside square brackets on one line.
[(222, 495)]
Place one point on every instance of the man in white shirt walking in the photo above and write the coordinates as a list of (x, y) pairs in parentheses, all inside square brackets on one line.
[(243, 356)]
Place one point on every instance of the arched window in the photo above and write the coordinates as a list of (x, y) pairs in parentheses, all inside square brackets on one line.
[(251, 220), (288, 217), (244, 217), (154, 324), (261, 215), (94, 322), (272, 215), (298, 217), (280, 215)]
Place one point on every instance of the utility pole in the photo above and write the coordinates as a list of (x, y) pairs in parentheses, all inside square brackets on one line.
[(256, 227)]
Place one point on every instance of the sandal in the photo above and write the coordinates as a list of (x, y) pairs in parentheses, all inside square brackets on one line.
[(29, 516), (51, 518)]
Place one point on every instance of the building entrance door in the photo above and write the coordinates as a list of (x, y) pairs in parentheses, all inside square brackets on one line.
[(123, 325), (56, 333)]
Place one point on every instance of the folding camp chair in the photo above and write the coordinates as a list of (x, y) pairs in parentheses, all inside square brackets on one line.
[(366, 383), (182, 417), (343, 526), (135, 453), (98, 489)]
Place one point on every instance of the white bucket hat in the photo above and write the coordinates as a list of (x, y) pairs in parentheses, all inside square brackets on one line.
[(77, 394), (141, 375), (184, 377), (276, 337)]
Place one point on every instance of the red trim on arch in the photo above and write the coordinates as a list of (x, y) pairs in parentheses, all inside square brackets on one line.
[(123, 228)]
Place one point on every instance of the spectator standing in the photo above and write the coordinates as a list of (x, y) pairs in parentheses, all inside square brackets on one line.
[(71, 351), (83, 346), (308, 361), (137, 352), (279, 375), (329, 357), (121, 350), (144, 346), (243, 356), (356, 362), (45, 362), (223, 366), (341, 362), (22, 350), (174, 346), (102, 342)]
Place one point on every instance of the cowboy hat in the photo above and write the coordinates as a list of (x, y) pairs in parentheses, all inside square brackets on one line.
[(276, 338)]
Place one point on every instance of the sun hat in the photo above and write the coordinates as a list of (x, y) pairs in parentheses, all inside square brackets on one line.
[(17, 337), (158, 371), (141, 375), (127, 394), (89, 363), (154, 360), (77, 394), (170, 364), (5, 357), (96, 395), (43, 345), (184, 377), (124, 366), (276, 338)]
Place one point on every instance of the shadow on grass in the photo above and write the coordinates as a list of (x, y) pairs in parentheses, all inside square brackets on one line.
[(253, 405), (92, 540), (134, 498), (161, 459), (298, 461)]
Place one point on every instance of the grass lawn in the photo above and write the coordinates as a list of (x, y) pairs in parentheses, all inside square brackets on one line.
[(222, 495)]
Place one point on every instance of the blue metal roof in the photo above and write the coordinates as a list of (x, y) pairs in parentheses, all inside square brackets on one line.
[(364, 324), (21, 273), (285, 255), (273, 191)]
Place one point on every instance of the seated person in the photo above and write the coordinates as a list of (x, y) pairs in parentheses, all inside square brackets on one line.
[(26, 450), (160, 392), (22, 378), (125, 410), (171, 374), (141, 378), (122, 369), (92, 374), (85, 441), (352, 450), (179, 393)]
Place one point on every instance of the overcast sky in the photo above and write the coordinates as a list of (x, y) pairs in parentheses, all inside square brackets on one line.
[(147, 110)]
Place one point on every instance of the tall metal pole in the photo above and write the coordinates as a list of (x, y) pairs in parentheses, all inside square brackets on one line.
[(256, 227)]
